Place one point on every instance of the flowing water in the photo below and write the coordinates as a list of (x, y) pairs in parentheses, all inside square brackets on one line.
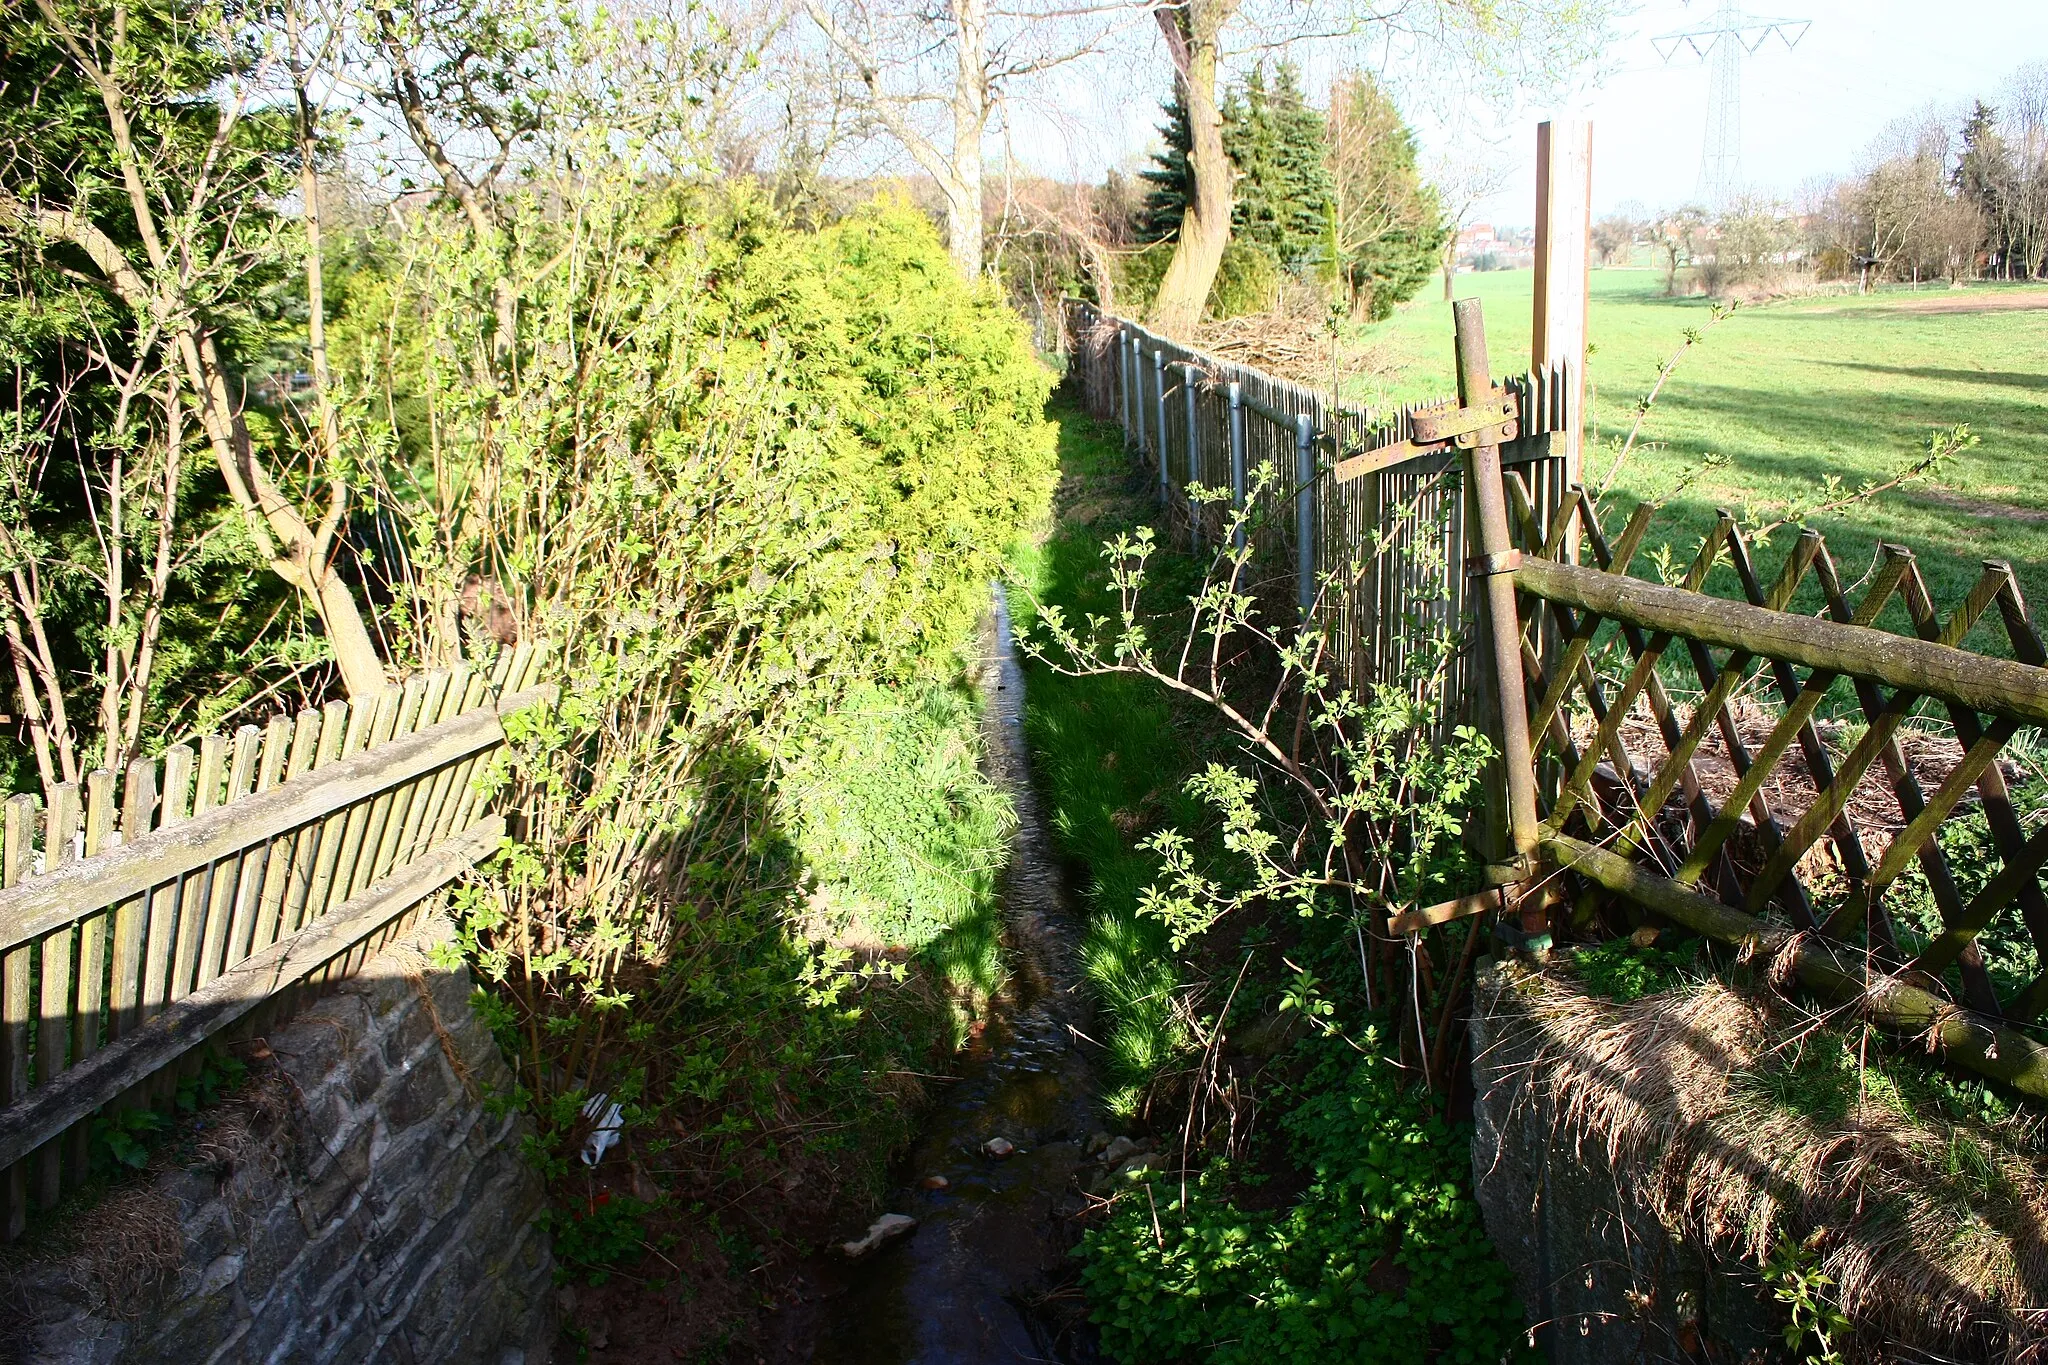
[(973, 1282)]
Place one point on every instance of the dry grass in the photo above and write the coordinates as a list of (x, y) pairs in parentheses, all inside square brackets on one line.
[(130, 1249), (1703, 1101), (120, 1245)]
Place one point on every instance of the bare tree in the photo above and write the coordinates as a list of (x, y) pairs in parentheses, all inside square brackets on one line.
[(1499, 48), (1617, 233), (1466, 173), (184, 200), (1194, 36), (932, 80), (1904, 187), (2023, 123), (1679, 236)]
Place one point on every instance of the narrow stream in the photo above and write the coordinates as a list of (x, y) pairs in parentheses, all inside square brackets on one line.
[(969, 1283)]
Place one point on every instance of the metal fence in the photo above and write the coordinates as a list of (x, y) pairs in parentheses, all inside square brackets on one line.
[(133, 929), (1377, 553)]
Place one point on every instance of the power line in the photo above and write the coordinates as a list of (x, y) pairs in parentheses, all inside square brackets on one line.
[(1724, 41)]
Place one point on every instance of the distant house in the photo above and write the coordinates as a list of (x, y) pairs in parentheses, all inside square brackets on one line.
[(1483, 246)]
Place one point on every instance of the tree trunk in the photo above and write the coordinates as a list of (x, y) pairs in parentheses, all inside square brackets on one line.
[(970, 121), (1191, 35), (298, 554)]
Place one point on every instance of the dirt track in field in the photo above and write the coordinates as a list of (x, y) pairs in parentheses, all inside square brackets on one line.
[(1960, 301)]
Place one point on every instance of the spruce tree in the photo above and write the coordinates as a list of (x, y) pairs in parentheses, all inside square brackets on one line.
[(1983, 177), (1168, 177), (1274, 137)]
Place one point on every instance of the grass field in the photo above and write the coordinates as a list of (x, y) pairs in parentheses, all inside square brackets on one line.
[(1792, 392)]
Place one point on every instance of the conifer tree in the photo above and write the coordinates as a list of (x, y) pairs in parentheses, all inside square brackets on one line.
[(1983, 177), (1387, 227), (1283, 197), (1168, 178), (1274, 138)]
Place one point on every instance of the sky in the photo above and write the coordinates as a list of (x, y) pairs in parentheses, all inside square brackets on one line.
[(1808, 111)]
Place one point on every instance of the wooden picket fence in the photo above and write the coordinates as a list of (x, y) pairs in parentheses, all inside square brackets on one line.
[(223, 880), (1197, 420)]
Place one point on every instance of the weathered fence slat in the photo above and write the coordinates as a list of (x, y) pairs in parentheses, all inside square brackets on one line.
[(53, 1022), (221, 880), (16, 849), (45, 902), (192, 1020), (159, 964)]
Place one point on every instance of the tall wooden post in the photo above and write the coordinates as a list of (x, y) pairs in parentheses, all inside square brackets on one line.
[(1564, 235), (1494, 566)]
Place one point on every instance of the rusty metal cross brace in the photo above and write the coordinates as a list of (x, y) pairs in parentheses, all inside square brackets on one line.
[(1483, 417), (1462, 424)]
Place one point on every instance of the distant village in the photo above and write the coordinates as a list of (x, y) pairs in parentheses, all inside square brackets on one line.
[(1485, 246)]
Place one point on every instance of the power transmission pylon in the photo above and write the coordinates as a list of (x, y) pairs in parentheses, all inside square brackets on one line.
[(1725, 40)]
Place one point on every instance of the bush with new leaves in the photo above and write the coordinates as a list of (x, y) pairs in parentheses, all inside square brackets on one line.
[(736, 473)]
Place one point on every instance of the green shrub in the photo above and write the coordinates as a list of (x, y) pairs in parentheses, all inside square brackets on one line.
[(1383, 1258), (752, 483), (1973, 860), (1622, 971), (1246, 281)]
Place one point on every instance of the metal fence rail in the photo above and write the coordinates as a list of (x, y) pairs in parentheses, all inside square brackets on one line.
[(134, 929), (1378, 555)]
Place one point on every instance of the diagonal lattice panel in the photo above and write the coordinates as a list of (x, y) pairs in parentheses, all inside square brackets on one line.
[(1660, 833)]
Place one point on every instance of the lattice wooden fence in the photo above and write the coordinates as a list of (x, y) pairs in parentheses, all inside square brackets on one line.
[(132, 929), (1581, 654), (1737, 868)]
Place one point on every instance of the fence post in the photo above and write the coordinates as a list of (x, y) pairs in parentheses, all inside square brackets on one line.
[(1237, 460), (1124, 343), (1488, 498), (1304, 514), (1159, 397), (1138, 391), (1564, 217), (1187, 379)]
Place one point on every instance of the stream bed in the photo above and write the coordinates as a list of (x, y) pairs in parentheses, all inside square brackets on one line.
[(977, 1280)]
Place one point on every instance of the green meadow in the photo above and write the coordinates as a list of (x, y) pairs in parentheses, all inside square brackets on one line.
[(1789, 393)]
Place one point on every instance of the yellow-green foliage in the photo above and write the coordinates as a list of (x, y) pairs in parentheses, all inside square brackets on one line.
[(1247, 279), (926, 400), (894, 411), (748, 479)]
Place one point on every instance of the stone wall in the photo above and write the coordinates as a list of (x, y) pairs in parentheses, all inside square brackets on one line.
[(358, 1201), (1602, 1281)]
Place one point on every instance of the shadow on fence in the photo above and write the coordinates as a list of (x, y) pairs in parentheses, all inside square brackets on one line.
[(222, 881)]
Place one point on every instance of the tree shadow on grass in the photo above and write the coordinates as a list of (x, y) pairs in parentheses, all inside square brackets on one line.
[(2013, 379), (1950, 541)]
